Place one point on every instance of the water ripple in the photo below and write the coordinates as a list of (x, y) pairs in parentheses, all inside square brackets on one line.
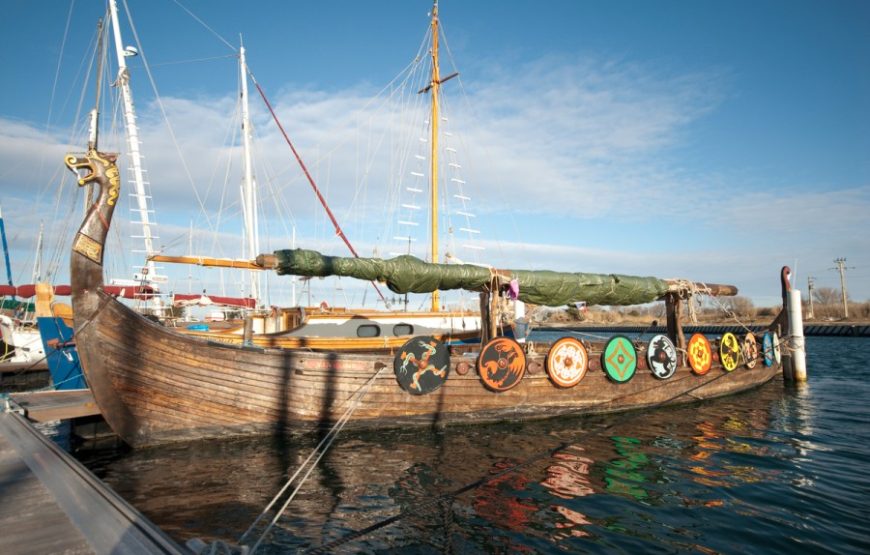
[(778, 470)]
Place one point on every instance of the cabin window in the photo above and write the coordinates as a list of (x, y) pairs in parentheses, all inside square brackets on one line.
[(368, 330), (403, 329)]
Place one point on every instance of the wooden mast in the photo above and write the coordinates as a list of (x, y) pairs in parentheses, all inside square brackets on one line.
[(433, 201)]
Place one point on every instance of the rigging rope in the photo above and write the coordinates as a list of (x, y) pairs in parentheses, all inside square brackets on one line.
[(195, 60), (203, 23), (338, 230), (59, 64), (165, 117), (320, 450)]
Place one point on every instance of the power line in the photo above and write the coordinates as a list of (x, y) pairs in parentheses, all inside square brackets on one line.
[(841, 266), (810, 284)]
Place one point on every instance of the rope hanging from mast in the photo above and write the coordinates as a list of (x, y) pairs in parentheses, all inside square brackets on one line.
[(317, 193)]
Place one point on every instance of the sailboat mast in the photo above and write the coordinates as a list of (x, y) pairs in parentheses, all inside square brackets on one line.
[(433, 201), (5, 249), (37, 263), (293, 301), (94, 131), (123, 82), (249, 187)]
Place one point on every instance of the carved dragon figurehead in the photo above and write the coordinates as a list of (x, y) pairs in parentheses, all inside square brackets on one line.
[(86, 264)]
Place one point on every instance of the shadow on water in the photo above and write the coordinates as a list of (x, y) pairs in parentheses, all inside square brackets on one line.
[(326, 420), (329, 476), (280, 440)]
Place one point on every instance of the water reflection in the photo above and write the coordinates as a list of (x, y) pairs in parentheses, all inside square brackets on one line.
[(622, 474), (500, 501), (568, 475), (568, 478), (615, 480)]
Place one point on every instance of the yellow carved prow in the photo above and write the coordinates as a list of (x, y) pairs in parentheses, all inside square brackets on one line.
[(101, 166)]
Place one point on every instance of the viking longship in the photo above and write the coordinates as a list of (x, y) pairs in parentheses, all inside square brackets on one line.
[(155, 385)]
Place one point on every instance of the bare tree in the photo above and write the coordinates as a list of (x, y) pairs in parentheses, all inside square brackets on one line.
[(740, 306), (826, 295)]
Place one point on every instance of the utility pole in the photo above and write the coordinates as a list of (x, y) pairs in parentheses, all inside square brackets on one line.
[(810, 284), (841, 266)]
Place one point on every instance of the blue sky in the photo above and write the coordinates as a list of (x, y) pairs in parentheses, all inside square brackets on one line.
[(707, 140)]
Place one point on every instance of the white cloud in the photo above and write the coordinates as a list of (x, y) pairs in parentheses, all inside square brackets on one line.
[(593, 140)]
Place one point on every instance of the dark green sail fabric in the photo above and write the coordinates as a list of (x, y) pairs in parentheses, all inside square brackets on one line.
[(408, 274)]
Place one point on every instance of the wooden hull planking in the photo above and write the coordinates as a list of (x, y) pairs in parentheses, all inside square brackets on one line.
[(155, 385)]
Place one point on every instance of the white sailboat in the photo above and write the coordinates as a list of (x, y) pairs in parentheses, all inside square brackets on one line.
[(21, 339)]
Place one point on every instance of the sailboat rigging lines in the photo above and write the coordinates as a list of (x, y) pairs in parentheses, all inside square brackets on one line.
[(338, 230)]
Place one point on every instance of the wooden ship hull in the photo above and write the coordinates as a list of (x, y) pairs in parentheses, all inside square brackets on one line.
[(154, 385)]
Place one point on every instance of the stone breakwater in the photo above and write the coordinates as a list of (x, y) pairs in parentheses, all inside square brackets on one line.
[(810, 330)]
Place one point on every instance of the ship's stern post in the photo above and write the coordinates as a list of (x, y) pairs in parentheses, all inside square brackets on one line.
[(791, 323), (796, 343)]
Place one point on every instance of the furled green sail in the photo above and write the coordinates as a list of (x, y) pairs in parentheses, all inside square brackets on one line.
[(408, 274)]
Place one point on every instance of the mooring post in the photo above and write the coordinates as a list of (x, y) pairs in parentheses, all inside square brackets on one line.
[(675, 326), (248, 337), (796, 343), (486, 332)]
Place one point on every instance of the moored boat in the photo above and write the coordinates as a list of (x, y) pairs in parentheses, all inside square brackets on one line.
[(156, 385), (354, 330)]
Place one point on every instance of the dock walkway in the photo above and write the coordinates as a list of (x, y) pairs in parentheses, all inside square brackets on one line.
[(53, 504), (46, 406)]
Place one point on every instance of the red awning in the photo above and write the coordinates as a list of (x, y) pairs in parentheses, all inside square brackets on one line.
[(126, 291), (130, 291), (183, 299), (29, 290), (63, 290), (26, 290)]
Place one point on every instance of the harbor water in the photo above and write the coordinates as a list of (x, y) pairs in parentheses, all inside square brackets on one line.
[(780, 469)]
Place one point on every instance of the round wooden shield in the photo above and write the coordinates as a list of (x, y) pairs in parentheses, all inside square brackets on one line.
[(567, 362), (750, 350), (501, 364), (661, 355), (767, 348), (422, 365), (729, 351), (777, 354), (619, 359), (700, 354)]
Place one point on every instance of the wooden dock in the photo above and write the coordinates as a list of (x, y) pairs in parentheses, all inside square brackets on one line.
[(53, 504), (46, 406)]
